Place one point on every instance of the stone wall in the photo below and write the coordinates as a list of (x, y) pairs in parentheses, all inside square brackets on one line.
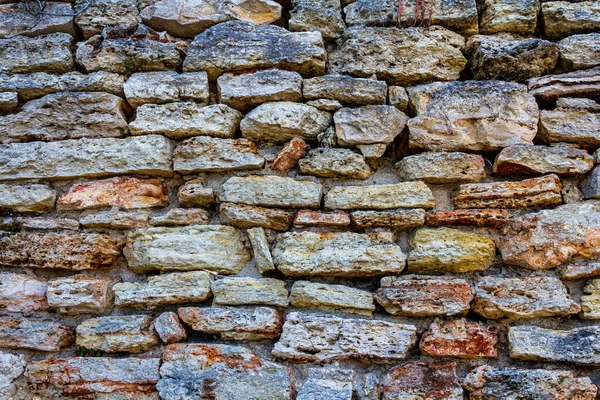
[(306, 199)]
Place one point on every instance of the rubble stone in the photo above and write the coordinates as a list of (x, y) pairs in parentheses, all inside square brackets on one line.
[(589, 300), (128, 333), (427, 380), (244, 216), (50, 53), (571, 126), (292, 152), (79, 294), (584, 83), (460, 338), (396, 219), (579, 51), (245, 291), (563, 18), (181, 217), (441, 168), (271, 191), (368, 125), (335, 163), (194, 194), (321, 296), (34, 334), (324, 17), (16, 19), (380, 197), (309, 218), (114, 218), (166, 87), (534, 160), (260, 248), (27, 198), (518, 17), (328, 383), (345, 89), (12, 366), (106, 13), (22, 293), (169, 328)]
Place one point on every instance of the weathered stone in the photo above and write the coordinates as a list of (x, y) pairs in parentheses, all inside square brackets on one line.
[(260, 248), (244, 216), (371, 387), (578, 270), (125, 192), (380, 197), (27, 198), (70, 251), (221, 372), (106, 13), (9, 101), (181, 217), (325, 105), (185, 119), (22, 293), (207, 154), (335, 163), (234, 323), (584, 83), (169, 328), (309, 338), (149, 155), (396, 219), (328, 383), (401, 56), (19, 19), (50, 53), (194, 194), (244, 91), (337, 254), (200, 247), (114, 218), (79, 294), (324, 16), (368, 125), (460, 338), (161, 290), (398, 97), (530, 297), (563, 18), (419, 96), (534, 160), (441, 168), (578, 104), (127, 333), (513, 16), (321, 296), (580, 51), (41, 223), (126, 50), (590, 304), (272, 191), (571, 126), (422, 380), (345, 89), (243, 291), (539, 192), (511, 59), (492, 383), (544, 239), (11, 367), (117, 378), (291, 153), (278, 122), (34, 334), (456, 119), (450, 250), (309, 218), (424, 296), (166, 87), (259, 12), (575, 346), (236, 46), (478, 218)]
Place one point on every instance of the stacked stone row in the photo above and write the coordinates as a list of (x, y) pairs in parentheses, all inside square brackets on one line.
[(211, 199)]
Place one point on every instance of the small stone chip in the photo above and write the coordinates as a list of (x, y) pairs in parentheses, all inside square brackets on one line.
[(260, 248)]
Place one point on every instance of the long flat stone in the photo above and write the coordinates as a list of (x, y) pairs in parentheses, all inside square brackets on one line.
[(481, 218), (79, 294), (34, 334), (380, 197), (441, 168), (245, 290), (27, 198), (579, 127), (272, 191), (334, 163), (50, 53), (585, 83), (245, 216), (395, 219), (322, 296), (345, 89), (166, 87), (127, 333), (150, 155), (526, 160), (16, 19)]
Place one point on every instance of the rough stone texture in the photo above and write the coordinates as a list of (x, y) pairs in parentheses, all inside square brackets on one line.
[(174, 288), (590, 306), (335, 163), (324, 17), (478, 218), (16, 20), (398, 97), (542, 240), (529, 193), (580, 51), (514, 16), (86, 158), (396, 219), (222, 372), (441, 168), (236, 46), (181, 217), (578, 104), (50, 53), (22, 293), (244, 291), (34, 334), (534, 160), (194, 194), (41, 223), (166, 87), (114, 218), (563, 18), (233, 323), (449, 250), (423, 296), (460, 338), (106, 13), (422, 380), (337, 254), (401, 56), (244, 216), (574, 346), (571, 126), (278, 122), (330, 383), (185, 119), (27, 198), (584, 83), (271, 191), (244, 91), (345, 89), (308, 218), (9, 101), (94, 376), (169, 328), (308, 338), (454, 120), (531, 297), (198, 247), (321, 296), (380, 197), (260, 249), (206, 154), (578, 270), (69, 251), (368, 125), (487, 382), (11, 367), (129, 333), (79, 294), (292, 152)]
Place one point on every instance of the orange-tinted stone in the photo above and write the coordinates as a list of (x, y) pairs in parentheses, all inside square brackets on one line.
[(460, 338), (293, 151), (478, 218)]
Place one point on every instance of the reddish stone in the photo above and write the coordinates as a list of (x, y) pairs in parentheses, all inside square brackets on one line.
[(291, 153), (460, 338), (423, 380), (308, 218), (478, 218)]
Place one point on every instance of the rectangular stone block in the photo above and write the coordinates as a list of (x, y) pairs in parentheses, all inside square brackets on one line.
[(22, 293), (27, 198), (166, 87), (441, 168), (51, 53), (570, 126), (150, 155), (79, 294), (181, 217), (327, 383), (114, 218), (309, 218), (478, 218), (34, 334), (321, 296), (380, 197), (241, 290), (460, 338), (395, 219), (245, 216), (127, 333), (345, 89), (423, 380)]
